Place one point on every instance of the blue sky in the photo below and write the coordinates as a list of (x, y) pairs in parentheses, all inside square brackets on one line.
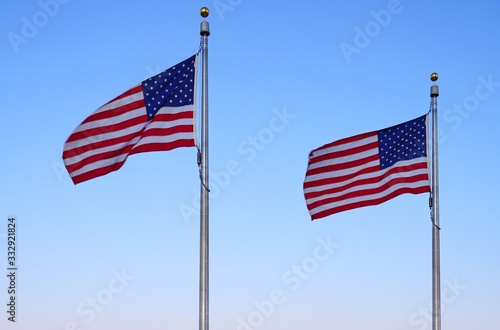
[(122, 251)]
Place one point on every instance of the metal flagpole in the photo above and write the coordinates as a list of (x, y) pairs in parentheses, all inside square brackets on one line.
[(436, 280), (203, 162)]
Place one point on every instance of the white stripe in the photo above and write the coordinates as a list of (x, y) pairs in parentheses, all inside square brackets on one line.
[(175, 110), (169, 124)]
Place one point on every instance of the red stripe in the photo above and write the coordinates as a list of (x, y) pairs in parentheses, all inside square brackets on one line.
[(163, 146), (188, 114)]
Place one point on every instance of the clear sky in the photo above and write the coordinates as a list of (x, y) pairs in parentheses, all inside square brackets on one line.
[(122, 251)]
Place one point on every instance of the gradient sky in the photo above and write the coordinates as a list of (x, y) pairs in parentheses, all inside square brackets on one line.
[(122, 251)]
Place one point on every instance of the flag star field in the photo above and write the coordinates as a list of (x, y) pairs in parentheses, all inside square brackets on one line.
[(402, 142), (175, 86)]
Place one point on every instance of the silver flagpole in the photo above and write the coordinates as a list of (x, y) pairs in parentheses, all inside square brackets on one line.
[(436, 276), (203, 159)]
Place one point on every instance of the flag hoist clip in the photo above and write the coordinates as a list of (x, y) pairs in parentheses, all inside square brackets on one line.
[(198, 159)]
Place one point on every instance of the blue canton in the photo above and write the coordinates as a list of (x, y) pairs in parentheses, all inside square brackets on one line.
[(173, 87), (402, 142)]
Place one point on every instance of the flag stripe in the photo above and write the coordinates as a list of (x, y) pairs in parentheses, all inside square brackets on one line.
[(156, 115), (367, 169)]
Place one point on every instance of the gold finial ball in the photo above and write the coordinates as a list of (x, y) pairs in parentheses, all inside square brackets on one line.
[(434, 76), (204, 12)]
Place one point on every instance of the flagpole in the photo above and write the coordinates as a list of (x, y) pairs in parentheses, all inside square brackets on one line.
[(203, 162), (204, 32), (436, 276)]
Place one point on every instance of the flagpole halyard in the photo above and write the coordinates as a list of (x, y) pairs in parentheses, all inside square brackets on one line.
[(204, 242), (436, 271)]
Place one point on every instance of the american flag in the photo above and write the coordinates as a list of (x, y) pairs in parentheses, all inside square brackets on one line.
[(368, 169), (155, 115)]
